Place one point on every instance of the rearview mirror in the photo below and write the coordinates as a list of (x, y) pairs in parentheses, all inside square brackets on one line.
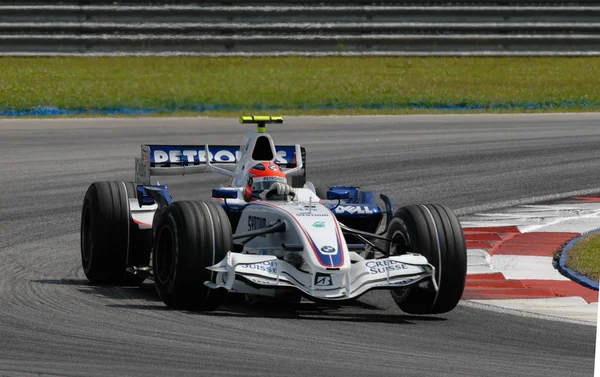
[(224, 193), (338, 195)]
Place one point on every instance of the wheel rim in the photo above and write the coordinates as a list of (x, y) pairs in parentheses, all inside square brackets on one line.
[(86, 236), (399, 294), (165, 255), (394, 247)]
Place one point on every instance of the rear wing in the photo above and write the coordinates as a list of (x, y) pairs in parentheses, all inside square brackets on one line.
[(161, 160)]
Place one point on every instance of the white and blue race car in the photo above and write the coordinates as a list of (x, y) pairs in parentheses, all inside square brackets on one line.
[(330, 244)]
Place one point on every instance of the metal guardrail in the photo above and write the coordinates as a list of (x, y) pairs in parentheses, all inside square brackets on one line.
[(306, 27)]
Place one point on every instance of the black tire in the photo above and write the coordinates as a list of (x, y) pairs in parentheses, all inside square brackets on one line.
[(321, 189), (188, 237), (433, 231), (321, 192), (299, 181), (110, 241)]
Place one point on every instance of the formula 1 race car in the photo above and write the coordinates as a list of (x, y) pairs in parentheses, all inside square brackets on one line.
[(319, 243)]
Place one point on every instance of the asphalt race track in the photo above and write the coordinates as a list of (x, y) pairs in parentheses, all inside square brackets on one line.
[(52, 322)]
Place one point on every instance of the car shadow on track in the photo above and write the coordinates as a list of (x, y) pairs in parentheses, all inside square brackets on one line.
[(234, 306), (316, 313), (353, 312), (356, 311), (145, 291), (61, 281)]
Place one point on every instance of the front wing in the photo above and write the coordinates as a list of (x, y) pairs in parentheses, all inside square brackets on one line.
[(246, 273)]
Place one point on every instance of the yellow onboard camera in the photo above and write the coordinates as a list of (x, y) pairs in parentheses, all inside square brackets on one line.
[(260, 121)]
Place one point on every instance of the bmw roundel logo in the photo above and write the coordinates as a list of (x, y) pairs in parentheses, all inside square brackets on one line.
[(327, 249)]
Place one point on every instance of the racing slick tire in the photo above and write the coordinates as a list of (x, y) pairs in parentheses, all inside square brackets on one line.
[(299, 181), (433, 231), (188, 237), (321, 192), (110, 241)]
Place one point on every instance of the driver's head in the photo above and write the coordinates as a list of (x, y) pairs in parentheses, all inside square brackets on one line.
[(261, 176)]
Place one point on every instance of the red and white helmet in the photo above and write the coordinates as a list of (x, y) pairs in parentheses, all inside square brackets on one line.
[(261, 176)]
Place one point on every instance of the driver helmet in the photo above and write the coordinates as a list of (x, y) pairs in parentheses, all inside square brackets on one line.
[(260, 177)]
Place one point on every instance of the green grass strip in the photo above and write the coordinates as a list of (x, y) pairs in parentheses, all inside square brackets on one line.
[(584, 256), (379, 84)]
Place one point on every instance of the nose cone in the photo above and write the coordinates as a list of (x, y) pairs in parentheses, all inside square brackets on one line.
[(319, 231), (328, 246)]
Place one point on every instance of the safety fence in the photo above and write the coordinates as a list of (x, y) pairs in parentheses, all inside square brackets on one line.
[(306, 27)]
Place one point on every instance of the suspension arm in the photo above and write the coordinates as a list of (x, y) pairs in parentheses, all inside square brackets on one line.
[(277, 227), (357, 232)]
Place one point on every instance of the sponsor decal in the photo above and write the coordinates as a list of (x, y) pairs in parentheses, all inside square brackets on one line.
[(313, 213), (161, 154), (270, 267), (383, 265), (273, 167), (281, 155), (142, 171), (353, 210), (255, 222), (268, 179), (328, 250), (323, 279), (194, 155), (319, 224)]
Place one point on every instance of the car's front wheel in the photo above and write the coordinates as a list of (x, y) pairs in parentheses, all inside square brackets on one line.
[(433, 231), (188, 237)]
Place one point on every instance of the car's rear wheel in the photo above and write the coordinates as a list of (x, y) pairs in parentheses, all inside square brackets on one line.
[(110, 241), (188, 237), (433, 231)]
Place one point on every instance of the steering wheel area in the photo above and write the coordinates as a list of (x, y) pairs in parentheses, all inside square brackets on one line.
[(271, 194)]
